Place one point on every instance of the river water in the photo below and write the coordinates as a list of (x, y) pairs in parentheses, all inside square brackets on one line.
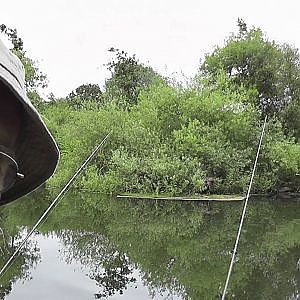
[(94, 247)]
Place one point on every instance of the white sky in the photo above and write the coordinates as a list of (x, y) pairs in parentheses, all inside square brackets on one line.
[(70, 38)]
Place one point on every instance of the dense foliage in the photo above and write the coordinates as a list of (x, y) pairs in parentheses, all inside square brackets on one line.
[(252, 60), (171, 140), (174, 140), (128, 78), (34, 78), (85, 92)]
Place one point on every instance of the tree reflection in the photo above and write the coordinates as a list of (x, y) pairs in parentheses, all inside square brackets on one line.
[(181, 249), (110, 268), (115, 277), (23, 264), (12, 231)]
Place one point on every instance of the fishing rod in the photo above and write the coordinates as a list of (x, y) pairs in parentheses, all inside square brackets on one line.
[(244, 211), (53, 204)]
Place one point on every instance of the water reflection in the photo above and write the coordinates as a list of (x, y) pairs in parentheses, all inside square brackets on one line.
[(175, 250)]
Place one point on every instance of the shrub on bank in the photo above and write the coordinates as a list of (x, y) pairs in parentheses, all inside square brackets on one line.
[(172, 141)]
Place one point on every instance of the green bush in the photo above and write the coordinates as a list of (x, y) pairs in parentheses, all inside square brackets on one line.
[(172, 140)]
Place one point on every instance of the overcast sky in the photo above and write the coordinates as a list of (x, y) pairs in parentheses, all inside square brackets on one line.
[(70, 38)]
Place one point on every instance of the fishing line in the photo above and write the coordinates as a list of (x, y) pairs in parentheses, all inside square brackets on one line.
[(244, 212), (52, 205)]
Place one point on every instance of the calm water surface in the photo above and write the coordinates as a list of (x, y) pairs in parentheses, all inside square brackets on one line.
[(92, 247)]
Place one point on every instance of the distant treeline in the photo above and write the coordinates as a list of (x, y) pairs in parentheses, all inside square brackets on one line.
[(170, 138)]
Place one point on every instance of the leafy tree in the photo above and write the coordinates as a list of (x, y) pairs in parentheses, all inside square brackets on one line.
[(254, 61), (171, 140), (291, 119), (90, 92), (34, 78), (13, 37), (128, 77)]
